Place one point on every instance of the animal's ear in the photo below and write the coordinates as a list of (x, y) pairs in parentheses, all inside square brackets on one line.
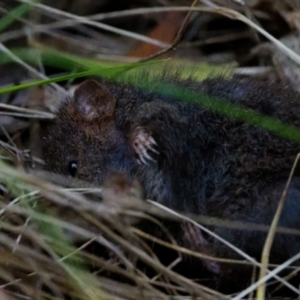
[(93, 101)]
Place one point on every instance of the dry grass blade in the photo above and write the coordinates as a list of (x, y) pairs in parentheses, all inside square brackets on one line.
[(189, 252), (243, 254), (30, 69), (27, 113), (216, 9), (37, 238), (271, 274), (35, 183), (268, 244), (192, 287), (97, 24), (28, 116), (15, 152)]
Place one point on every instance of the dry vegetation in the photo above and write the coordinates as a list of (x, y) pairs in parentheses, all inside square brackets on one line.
[(62, 244)]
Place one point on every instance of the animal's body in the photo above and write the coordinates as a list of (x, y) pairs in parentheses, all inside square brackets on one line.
[(187, 157)]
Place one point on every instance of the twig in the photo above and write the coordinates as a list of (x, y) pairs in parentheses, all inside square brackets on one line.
[(177, 38)]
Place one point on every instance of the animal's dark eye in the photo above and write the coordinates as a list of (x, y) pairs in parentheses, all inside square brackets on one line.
[(72, 167)]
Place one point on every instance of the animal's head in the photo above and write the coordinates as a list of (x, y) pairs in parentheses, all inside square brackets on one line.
[(83, 142)]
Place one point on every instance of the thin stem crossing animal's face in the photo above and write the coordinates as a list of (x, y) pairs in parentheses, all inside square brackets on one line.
[(83, 143)]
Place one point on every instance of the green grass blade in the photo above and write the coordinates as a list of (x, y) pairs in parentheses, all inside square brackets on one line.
[(13, 15), (225, 108)]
